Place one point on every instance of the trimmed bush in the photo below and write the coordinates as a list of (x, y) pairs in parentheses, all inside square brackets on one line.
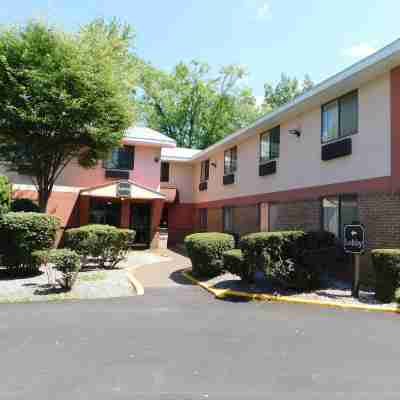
[(205, 251), (263, 250), (387, 269), (66, 261), (5, 194), (293, 259), (22, 234), (105, 243), (24, 205), (233, 262)]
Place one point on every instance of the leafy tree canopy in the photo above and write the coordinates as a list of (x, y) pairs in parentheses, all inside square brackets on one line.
[(63, 96), (285, 91), (194, 106)]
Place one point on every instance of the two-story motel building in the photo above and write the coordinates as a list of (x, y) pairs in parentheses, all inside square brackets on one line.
[(330, 157)]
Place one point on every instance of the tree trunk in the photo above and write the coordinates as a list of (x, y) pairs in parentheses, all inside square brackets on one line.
[(44, 195)]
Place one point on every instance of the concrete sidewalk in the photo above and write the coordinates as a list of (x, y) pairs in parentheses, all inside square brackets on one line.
[(165, 273)]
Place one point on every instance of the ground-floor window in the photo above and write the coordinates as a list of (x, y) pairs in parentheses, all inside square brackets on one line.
[(104, 211), (338, 211), (228, 219), (203, 217)]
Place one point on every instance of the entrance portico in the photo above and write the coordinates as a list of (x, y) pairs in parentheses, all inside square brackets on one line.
[(124, 204)]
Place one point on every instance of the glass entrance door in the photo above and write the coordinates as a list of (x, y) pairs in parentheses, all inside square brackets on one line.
[(140, 222)]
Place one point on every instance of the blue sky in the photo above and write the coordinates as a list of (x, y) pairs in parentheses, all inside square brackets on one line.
[(267, 36)]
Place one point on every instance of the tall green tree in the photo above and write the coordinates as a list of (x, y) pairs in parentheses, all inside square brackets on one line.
[(284, 91), (193, 106), (63, 96)]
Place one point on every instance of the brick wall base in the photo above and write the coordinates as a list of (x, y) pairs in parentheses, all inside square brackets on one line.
[(303, 215)]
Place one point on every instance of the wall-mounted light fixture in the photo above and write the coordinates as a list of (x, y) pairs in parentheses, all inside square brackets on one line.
[(214, 164), (296, 132), (156, 159)]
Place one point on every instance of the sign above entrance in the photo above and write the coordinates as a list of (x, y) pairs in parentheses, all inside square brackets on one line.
[(124, 189), (354, 239)]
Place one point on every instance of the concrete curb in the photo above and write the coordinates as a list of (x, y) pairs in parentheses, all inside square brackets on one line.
[(221, 293), (135, 283)]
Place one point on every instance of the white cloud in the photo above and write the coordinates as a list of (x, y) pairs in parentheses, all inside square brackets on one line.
[(264, 11), (360, 50)]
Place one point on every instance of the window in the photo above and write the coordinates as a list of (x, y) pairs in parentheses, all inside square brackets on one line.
[(228, 219), (340, 117), (164, 172), (339, 211), (121, 158), (203, 217), (230, 161), (205, 171), (269, 144)]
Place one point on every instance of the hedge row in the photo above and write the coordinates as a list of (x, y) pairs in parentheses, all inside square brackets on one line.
[(205, 250), (22, 234), (387, 270), (293, 259), (104, 244)]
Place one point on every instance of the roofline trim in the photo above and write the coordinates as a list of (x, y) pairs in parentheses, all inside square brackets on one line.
[(326, 84)]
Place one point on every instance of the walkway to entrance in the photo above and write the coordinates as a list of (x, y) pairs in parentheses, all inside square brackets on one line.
[(163, 274)]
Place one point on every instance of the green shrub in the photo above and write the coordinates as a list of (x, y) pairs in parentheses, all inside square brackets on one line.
[(105, 243), (66, 261), (387, 269), (262, 250), (233, 262), (205, 251), (25, 205), (23, 233), (294, 259), (5, 194)]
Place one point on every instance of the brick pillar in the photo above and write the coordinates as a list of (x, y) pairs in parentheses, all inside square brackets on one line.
[(156, 212), (125, 213), (84, 204)]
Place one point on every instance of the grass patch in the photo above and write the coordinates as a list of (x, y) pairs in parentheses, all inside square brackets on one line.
[(93, 277)]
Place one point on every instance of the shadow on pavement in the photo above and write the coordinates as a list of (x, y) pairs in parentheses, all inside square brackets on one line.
[(177, 277)]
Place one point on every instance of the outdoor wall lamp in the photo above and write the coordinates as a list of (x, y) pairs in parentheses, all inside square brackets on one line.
[(295, 132), (156, 159), (214, 164)]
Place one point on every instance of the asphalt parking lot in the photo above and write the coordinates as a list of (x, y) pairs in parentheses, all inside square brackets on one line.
[(180, 343)]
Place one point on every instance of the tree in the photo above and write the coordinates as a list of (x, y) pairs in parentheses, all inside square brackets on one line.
[(63, 96), (5, 194), (194, 107), (285, 91)]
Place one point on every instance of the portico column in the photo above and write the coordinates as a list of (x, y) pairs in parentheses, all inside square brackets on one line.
[(125, 213), (156, 213), (84, 204)]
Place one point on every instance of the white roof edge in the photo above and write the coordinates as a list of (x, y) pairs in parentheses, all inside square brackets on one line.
[(375, 58), (162, 143)]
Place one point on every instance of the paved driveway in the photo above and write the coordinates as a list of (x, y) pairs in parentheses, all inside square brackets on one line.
[(179, 343)]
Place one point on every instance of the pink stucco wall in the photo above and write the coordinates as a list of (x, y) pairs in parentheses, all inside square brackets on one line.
[(146, 171)]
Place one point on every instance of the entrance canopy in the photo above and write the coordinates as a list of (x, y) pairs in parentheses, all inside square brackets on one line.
[(123, 189)]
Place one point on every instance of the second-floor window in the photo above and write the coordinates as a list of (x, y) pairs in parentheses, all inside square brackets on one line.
[(164, 172), (205, 170), (230, 161), (269, 144), (121, 158), (340, 117)]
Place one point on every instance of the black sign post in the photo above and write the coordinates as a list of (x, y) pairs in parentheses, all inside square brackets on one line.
[(354, 243)]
